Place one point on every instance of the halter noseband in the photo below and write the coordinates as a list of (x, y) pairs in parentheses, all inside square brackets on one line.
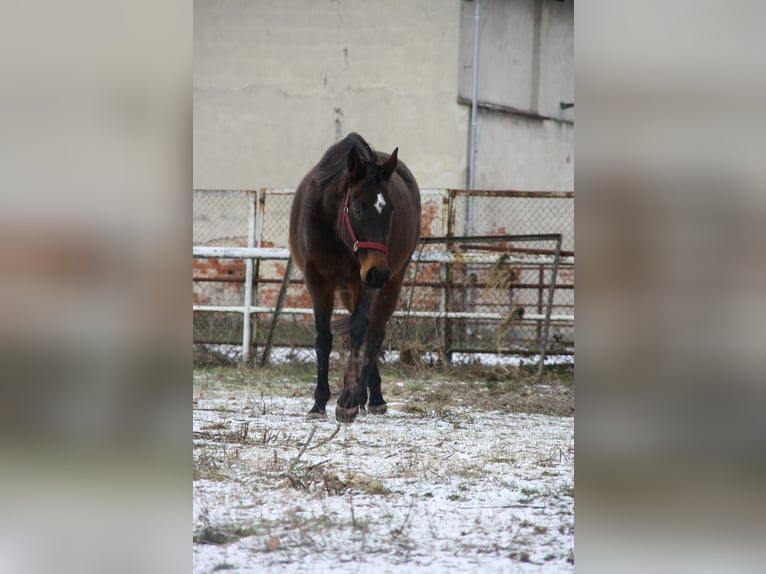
[(356, 243)]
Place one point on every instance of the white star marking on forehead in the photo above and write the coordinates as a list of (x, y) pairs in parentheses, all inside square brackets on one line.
[(380, 204)]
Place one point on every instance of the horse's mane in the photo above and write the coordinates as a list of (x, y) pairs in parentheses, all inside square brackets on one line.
[(331, 169)]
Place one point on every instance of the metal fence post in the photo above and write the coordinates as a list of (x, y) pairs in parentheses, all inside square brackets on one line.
[(446, 276), (277, 311), (547, 323), (247, 336)]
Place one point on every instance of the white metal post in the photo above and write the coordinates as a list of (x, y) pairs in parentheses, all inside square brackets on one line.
[(246, 331)]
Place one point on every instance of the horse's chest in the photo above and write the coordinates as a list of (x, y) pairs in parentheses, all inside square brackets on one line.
[(336, 266)]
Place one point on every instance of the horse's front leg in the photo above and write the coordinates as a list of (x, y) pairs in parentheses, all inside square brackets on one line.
[(322, 301), (382, 310), (323, 346), (359, 322)]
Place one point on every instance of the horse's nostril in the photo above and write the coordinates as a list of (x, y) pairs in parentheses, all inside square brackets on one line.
[(376, 279)]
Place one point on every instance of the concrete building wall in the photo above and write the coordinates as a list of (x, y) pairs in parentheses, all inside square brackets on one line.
[(519, 153), (276, 82), (526, 68)]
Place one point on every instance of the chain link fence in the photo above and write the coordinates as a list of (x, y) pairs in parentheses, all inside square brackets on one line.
[(491, 304), (220, 218)]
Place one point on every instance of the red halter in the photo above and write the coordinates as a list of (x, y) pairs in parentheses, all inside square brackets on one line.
[(356, 243)]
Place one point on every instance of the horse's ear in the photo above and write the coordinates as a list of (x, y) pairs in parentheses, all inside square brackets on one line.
[(390, 165), (356, 167)]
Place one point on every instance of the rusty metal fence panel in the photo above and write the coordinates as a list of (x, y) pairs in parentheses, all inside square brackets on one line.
[(507, 290), (521, 212)]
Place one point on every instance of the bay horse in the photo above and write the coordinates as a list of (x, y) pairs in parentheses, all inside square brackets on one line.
[(354, 223)]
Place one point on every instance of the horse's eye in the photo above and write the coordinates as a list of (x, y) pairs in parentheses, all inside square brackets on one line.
[(357, 208)]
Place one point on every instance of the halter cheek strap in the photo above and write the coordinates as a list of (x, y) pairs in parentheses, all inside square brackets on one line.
[(356, 243)]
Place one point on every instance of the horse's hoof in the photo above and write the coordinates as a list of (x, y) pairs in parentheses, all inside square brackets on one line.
[(343, 415), (317, 412), (377, 409)]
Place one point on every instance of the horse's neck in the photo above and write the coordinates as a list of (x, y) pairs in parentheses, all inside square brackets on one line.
[(332, 206)]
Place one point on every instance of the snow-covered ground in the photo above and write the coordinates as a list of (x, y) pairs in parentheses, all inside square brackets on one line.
[(415, 490)]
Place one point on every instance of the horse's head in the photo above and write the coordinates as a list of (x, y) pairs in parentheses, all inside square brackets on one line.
[(367, 216)]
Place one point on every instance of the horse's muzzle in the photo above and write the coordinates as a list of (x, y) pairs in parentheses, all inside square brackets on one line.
[(373, 269), (375, 278)]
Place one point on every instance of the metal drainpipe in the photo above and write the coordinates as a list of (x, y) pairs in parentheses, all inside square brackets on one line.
[(470, 228), (474, 97)]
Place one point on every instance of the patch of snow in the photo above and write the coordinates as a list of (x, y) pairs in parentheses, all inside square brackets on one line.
[(465, 490)]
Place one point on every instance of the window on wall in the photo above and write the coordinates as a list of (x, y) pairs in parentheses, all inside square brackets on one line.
[(526, 56)]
